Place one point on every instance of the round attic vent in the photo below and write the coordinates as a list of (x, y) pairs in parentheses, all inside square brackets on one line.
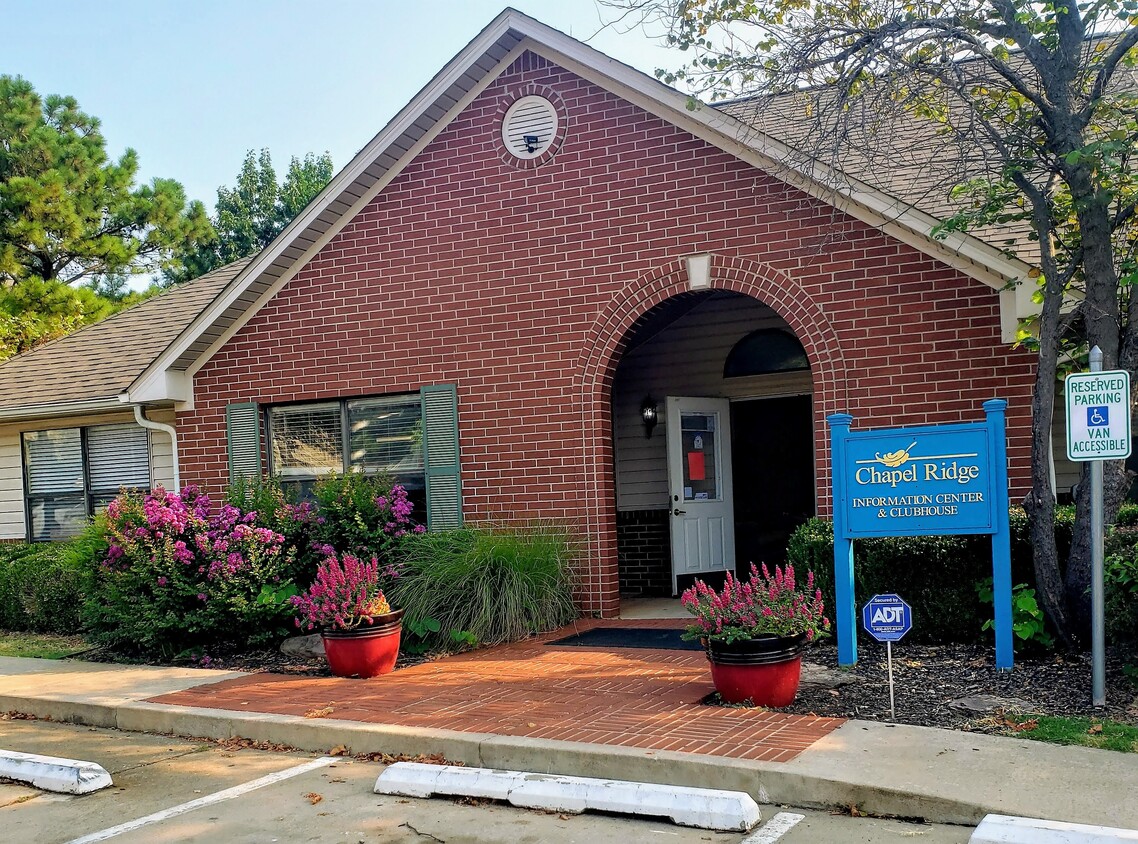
[(529, 127)]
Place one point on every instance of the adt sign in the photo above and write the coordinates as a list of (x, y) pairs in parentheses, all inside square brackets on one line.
[(887, 618)]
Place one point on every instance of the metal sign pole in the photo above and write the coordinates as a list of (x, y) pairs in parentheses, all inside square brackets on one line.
[(1098, 635), (889, 660)]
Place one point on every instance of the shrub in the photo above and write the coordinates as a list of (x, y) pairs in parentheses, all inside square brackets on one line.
[(42, 588), (178, 576), (292, 520), (487, 584), (1120, 583), (936, 575), (361, 514), (1028, 628)]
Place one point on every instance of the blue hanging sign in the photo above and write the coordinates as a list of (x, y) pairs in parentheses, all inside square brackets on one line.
[(917, 481), (937, 479)]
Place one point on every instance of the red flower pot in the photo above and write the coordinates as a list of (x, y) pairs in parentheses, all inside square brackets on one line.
[(764, 670), (365, 651)]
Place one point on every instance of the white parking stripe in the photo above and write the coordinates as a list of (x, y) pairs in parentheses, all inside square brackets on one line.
[(773, 829), (209, 799)]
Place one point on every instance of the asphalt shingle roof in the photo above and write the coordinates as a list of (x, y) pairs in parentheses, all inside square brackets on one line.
[(102, 360)]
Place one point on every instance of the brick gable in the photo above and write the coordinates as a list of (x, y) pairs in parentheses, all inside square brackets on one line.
[(518, 283)]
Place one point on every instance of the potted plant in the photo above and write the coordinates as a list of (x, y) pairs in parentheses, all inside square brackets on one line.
[(755, 631), (360, 630)]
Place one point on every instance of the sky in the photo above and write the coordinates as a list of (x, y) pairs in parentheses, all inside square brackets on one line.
[(193, 85)]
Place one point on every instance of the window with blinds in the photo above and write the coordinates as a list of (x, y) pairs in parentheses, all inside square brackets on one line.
[(307, 440), (380, 434), (70, 472)]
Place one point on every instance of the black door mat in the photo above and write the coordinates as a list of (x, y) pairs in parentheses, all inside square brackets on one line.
[(629, 637)]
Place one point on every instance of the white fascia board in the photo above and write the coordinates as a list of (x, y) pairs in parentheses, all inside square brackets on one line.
[(163, 385), (75, 408), (356, 208), (825, 183), (344, 179)]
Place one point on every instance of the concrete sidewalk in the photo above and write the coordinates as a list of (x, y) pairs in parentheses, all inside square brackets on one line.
[(939, 775)]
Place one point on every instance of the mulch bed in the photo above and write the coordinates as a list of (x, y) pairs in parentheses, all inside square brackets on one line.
[(927, 679)]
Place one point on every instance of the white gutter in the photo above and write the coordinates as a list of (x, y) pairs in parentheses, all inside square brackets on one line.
[(76, 408), (169, 429)]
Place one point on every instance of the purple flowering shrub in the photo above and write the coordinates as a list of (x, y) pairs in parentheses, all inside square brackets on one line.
[(364, 515), (345, 594), (761, 605), (180, 574)]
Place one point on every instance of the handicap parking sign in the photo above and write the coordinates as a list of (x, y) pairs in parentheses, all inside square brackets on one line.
[(1098, 417), (887, 618)]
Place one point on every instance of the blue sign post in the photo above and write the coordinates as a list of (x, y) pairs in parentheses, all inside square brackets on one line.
[(938, 479)]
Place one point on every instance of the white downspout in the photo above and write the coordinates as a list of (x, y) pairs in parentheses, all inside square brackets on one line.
[(169, 429)]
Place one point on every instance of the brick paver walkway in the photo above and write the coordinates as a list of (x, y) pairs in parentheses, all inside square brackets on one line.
[(625, 697)]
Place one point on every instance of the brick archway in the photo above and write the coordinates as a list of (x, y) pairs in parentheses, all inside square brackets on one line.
[(596, 367)]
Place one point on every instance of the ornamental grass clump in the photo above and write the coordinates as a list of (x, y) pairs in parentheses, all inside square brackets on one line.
[(346, 594), (488, 584), (762, 605)]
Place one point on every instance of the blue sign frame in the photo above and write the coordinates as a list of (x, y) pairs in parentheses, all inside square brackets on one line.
[(921, 481)]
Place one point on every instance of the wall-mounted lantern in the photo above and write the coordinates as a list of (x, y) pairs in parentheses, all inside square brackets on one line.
[(649, 414)]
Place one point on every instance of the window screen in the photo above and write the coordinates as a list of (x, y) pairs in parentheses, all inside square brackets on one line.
[(118, 456), (54, 461), (307, 440)]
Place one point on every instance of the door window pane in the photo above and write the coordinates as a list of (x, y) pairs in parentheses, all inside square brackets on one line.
[(307, 440), (700, 456)]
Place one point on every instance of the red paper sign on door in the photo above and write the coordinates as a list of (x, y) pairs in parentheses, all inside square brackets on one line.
[(696, 467)]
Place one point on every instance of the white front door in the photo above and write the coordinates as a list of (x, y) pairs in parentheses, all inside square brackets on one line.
[(699, 485)]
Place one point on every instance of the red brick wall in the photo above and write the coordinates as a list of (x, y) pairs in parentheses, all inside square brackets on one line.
[(518, 285)]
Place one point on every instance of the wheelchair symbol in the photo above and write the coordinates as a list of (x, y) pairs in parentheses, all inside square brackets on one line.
[(1097, 416)]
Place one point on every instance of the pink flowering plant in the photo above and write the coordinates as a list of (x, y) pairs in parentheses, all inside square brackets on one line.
[(346, 594), (762, 605), (180, 574)]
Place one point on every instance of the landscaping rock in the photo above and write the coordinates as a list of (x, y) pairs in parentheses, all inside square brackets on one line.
[(820, 677), (308, 647)]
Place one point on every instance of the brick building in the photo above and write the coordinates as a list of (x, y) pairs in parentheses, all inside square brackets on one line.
[(549, 289)]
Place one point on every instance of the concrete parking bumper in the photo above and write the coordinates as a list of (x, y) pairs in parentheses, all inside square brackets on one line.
[(939, 775)]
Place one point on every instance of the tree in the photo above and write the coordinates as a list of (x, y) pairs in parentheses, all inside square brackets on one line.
[(71, 220), (248, 216), (1039, 102)]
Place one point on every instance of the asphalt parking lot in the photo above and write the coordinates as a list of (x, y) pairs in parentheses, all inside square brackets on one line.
[(309, 800)]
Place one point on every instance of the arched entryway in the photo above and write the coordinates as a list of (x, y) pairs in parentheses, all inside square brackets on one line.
[(785, 305), (713, 441)]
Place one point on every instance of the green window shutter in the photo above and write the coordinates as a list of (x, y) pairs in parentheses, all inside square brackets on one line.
[(243, 435), (440, 457)]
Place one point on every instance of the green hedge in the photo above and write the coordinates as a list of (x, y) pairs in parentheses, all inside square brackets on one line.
[(936, 575), (42, 587)]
